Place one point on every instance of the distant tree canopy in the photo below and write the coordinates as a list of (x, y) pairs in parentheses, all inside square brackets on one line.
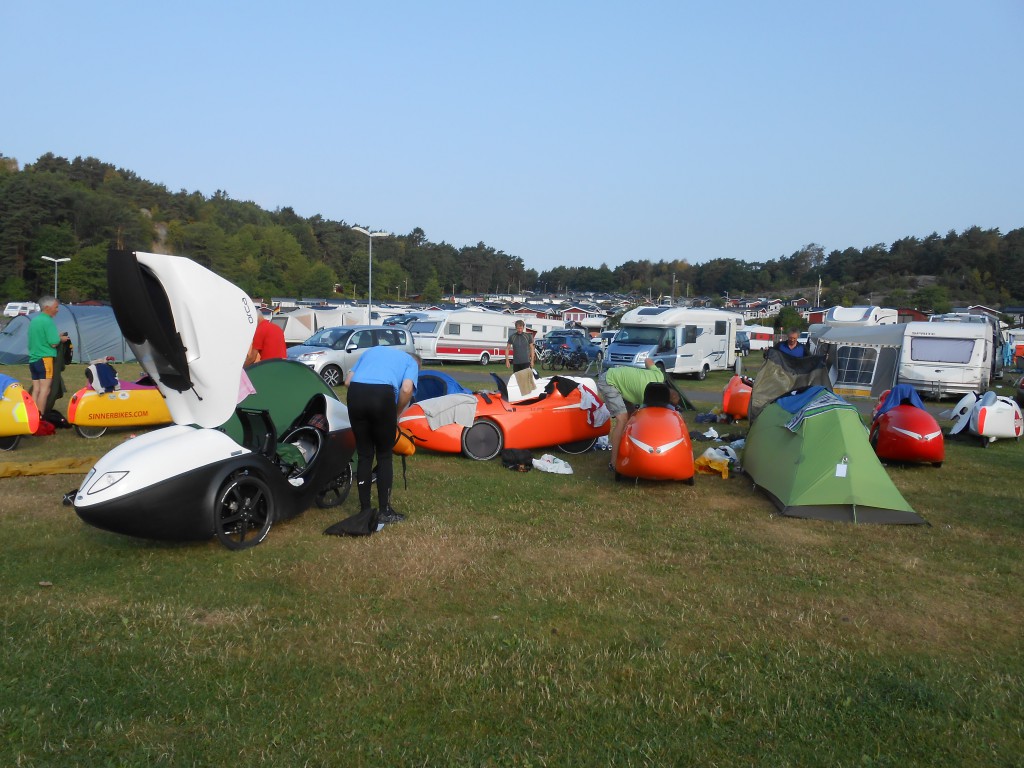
[(78, 209)]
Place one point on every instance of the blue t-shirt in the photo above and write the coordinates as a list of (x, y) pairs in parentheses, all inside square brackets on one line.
[(385, 365), (797, 351)]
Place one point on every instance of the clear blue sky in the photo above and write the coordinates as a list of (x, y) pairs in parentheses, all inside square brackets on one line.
[(567, 133)]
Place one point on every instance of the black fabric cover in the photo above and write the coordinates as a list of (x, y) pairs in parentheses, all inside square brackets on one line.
[(360, 524)]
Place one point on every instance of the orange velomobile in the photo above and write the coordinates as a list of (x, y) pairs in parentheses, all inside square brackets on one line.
[(18, 413), (656, 444), (118, 404), (736, 397), (902, 430), (562, 413)]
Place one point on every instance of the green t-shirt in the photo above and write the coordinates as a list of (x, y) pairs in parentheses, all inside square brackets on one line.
[(43, 337), (631, 382)]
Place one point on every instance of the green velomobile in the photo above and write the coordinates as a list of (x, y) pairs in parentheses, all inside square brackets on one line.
[(809, 452)]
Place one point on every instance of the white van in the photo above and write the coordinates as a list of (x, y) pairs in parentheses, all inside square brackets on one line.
[(751, 338), (679, 339), (469, 335)]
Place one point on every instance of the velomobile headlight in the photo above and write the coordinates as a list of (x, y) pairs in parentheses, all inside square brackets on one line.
[(106, 480)]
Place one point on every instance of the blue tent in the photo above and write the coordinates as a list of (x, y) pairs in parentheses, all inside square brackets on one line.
[(93, 330)]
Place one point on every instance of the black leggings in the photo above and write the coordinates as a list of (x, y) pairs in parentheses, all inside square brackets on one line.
[(374, 416)]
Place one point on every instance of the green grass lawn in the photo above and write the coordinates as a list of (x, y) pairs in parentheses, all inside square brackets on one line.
[(523, 620)]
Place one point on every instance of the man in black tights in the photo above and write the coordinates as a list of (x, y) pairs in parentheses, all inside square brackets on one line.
[(380, 386)]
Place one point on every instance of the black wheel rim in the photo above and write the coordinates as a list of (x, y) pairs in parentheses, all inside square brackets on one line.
[(482, 441), (244, 512), (336, 491)]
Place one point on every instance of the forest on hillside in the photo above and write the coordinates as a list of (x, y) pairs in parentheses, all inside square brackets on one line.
[(79, 208)]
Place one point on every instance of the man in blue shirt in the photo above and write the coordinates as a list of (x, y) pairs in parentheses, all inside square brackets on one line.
[(380, 386), (791, 345)]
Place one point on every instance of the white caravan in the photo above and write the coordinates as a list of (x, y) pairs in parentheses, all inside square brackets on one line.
[(679, 339), (751, 338), (937, 359), (472, 335), (864, 315)]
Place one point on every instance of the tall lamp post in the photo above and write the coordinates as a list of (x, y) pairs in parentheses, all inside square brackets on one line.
[(369, 284), (56, 262)]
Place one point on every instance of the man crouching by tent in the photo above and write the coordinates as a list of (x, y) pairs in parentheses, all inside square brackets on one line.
[(622, 389)]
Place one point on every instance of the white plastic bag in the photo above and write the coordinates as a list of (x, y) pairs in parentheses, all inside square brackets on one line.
[(549, 463)]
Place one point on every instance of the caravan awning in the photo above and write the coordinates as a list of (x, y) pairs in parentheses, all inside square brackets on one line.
[(865, 336)]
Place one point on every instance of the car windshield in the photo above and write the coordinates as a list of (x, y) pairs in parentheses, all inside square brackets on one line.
[(327, 337), (644, 335)]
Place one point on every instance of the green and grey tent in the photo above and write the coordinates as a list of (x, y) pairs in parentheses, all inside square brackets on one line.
[(809, 451)]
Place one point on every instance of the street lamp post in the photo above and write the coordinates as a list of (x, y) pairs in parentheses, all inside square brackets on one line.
[(369, 284), (56, 262)]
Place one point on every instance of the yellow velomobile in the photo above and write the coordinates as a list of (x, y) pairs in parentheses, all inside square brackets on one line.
[(109, 402), (18, 413)]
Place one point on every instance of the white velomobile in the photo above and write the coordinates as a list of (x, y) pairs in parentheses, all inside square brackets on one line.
[(990, 417), (225, 468)]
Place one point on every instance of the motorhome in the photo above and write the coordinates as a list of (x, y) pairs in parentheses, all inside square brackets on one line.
[(471, 335), (937, 359), (863, 315), (679, 339)]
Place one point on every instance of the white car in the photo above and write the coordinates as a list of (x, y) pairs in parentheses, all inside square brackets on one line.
[(332, 352)]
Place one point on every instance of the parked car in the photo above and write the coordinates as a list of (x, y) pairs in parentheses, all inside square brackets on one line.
[(404, 319), (332, 352), (572, 340)]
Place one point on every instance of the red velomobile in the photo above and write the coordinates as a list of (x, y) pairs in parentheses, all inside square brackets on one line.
[(563, 413), (736, 397), (902, 430), (656, 443)]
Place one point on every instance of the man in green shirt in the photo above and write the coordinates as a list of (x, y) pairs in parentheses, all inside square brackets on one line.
[(43, 340), (622, 389)]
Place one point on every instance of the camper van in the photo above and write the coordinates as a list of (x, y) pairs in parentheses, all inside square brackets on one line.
[(937, 359), (869, 315), (679, 339), (470, 335)]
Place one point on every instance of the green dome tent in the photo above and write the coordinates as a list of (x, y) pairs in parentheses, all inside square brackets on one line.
[(809, 452)]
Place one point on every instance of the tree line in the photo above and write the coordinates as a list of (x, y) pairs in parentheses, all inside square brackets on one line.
[(79, 208)]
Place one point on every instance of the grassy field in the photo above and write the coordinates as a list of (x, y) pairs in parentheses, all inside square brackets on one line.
[(524, 620)]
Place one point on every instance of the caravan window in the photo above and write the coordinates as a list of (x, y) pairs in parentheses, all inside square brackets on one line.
[(721, 328), (425, 326), (856, 365), (478, 329), (929, 349), (454, 329), (690, 334)]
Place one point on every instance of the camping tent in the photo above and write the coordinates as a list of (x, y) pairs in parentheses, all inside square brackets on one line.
[(302, 322), (782, 373), (93, 330), (809, 452)]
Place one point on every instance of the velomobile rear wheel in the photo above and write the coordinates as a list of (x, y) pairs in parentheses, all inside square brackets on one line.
[(580, 446), (482, 441), (337, 490), (244, 512), (90, 433)]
